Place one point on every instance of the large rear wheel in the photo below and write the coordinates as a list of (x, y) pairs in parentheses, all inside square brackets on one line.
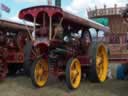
[(99, 66), (39, 72), (73, 73)]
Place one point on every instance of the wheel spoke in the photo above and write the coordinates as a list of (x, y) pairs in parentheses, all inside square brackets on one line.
[(74, 66), (38, 77), (98, 69), (102, 67), (98, 60), (72, 73), (76, 69), (75, 77), (37, 67)]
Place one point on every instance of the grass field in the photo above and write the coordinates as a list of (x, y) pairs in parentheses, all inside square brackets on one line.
[(21, 86)]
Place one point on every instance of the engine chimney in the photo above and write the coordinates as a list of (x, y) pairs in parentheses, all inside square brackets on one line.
[(58, 3), (49, 2)]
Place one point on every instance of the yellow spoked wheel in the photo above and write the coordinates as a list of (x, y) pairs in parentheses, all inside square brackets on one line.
[(73, 73), (101, 63), (99, 66), (39, 72)]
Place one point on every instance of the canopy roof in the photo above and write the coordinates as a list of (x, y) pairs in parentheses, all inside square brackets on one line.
[(35, 12), (29, 13), (13, 26)]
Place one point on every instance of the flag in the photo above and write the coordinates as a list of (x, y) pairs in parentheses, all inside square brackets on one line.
[(4, 8)]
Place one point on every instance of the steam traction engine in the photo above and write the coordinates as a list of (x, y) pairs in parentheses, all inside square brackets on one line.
[(12, 41), (61, 43)]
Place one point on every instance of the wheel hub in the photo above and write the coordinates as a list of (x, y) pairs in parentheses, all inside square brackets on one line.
[(41, 73)]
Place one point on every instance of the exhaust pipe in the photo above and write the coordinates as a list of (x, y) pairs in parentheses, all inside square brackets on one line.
[(58, 3)]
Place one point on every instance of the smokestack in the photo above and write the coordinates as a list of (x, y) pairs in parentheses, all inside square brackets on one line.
[(58, 3), (49, 2)]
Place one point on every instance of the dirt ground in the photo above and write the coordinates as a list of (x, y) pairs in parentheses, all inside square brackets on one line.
[(21, 86)]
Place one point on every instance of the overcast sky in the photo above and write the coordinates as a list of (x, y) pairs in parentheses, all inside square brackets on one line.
[(77, 7)]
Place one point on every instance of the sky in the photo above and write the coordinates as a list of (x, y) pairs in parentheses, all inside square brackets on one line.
[(77, 7)]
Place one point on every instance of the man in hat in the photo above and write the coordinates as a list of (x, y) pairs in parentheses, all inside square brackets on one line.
[(125, 14)]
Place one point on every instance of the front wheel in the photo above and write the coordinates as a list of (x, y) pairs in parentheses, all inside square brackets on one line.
[(73, 73), (39, 72)]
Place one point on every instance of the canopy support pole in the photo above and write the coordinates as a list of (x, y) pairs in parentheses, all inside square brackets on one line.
[(29, 32), (43, 20), (50, 28), (97, 35), (34, 29)]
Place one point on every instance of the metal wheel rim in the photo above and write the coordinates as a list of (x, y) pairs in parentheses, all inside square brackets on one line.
[(101, 63), (41, 72), (75, 73)]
